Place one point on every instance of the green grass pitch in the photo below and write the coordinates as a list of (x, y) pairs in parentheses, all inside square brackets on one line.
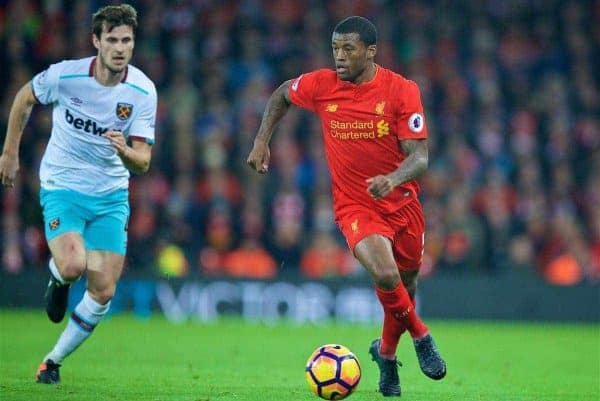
[(154, 360)]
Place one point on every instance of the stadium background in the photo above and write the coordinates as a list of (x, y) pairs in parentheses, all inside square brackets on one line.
[(511, 93)]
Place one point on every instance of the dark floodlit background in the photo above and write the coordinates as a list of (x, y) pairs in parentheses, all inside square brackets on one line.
[(511, 91)]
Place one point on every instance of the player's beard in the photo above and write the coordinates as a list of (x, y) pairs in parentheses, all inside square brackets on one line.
[(353, 72), (113, 70), (350, 75)]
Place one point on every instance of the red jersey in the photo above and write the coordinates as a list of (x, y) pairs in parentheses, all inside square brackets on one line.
[(361, 128)]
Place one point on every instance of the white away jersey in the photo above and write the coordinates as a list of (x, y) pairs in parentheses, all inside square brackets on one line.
[(77, 157)]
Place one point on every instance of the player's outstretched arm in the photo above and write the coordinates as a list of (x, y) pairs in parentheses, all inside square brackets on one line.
[(17, 120), (411, 168), (277, 107)]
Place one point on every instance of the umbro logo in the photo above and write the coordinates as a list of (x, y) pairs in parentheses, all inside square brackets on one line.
[(75, 101)]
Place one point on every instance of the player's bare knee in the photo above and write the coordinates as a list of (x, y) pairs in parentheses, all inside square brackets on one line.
[(387, 279), (71, 269), (70, 259)]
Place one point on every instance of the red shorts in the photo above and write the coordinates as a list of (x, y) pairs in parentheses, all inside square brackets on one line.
[(405, 228)]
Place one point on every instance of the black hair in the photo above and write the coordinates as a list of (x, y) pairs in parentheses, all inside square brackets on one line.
[(360, 25)]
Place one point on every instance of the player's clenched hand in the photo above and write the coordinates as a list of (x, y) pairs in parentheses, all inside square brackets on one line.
[(379, 186), (259, 157), (117, 140), (8, 170)]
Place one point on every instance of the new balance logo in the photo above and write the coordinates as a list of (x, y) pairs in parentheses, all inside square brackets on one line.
[(85, 125)]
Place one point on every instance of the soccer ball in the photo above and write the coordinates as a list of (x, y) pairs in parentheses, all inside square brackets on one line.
[(332, 372)]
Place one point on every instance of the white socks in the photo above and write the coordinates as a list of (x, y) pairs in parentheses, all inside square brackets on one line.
[(83, 320), (54, 271)]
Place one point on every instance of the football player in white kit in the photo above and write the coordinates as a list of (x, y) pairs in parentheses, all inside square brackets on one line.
[(104, 112)]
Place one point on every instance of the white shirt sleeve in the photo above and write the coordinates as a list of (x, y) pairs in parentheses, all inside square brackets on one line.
[(45, 84), (143, 125)]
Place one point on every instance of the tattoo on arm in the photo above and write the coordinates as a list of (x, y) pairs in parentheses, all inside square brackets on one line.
[(415, 163), (277, 106)]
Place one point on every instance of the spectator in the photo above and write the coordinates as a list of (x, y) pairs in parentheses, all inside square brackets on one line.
[(324, 257), (512, 99)]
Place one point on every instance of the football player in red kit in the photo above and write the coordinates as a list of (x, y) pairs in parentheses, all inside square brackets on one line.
[(375, 139)]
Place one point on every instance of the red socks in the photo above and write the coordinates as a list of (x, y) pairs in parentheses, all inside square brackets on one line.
[(399, 316), (392, 330)]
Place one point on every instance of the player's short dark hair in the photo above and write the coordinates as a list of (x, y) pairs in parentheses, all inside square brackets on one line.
[(112, 16), (355, 24)]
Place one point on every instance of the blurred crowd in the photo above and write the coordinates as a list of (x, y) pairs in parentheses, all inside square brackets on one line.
[(511, 95)]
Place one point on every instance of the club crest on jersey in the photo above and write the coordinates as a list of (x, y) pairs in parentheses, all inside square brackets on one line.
[(124, 110), (415, 123), (379, 108), (54, 224)]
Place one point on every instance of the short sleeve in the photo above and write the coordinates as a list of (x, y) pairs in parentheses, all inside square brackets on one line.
[(45, 84), (411, 119), (142, 127), (302, 90)]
